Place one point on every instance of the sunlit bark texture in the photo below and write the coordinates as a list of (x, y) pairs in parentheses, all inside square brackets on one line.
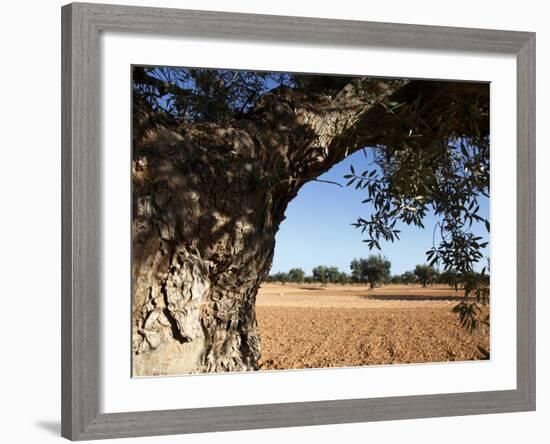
[(209, 197)]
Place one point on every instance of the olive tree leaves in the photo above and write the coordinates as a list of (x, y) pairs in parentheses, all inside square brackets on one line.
[(421, 174)]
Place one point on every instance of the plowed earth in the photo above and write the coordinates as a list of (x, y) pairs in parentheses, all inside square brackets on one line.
[(313, 326)]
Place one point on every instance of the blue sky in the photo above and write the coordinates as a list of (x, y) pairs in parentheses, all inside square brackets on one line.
[(317, 229)]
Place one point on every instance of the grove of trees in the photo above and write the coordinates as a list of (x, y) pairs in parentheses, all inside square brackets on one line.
[(375, 270), (320, 274)]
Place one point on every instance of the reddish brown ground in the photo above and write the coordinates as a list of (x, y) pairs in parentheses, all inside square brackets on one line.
[(309, 326)]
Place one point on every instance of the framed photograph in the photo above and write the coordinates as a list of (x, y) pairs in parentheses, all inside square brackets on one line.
[(278, 221)]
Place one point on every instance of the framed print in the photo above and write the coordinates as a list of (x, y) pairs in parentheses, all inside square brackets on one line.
[(278, 221)]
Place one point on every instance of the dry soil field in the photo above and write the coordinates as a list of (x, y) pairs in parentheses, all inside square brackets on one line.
[(312, 326)]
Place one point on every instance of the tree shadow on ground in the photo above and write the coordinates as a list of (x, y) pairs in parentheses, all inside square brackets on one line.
[(412, 297)]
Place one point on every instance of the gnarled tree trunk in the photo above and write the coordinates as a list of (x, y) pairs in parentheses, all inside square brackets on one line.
[(207, 203), (205, 225)]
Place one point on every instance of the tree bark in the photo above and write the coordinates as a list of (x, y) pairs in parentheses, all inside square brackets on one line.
[(207, 203)]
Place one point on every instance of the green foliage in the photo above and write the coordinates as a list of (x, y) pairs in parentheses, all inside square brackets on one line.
[(278, 277), (451, 278), (321, 274), (446, 180), (396, 279), (471, 316), (435, 161), (296, 275), (374, 269), (440, 165), (343, 278), (476, 286), (476, 290), (202, 95), (425, 274), (324, 275), (217, 95), (408, 277)]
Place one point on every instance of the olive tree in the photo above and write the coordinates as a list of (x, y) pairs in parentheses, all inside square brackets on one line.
[(296, 275), (425, 274), (408, 277), (374, 269), (325, 274), (219, 154)]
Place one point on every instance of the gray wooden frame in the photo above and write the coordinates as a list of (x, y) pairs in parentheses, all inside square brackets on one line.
[(81, 231)]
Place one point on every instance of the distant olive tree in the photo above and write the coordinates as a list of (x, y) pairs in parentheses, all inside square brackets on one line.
[(374, 269), (425, 274), (320, 274), (343, 278), (334, 275), (451, 278), (396, 279), (296, 275), (278, 277), (325, 274), (408, 277)]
